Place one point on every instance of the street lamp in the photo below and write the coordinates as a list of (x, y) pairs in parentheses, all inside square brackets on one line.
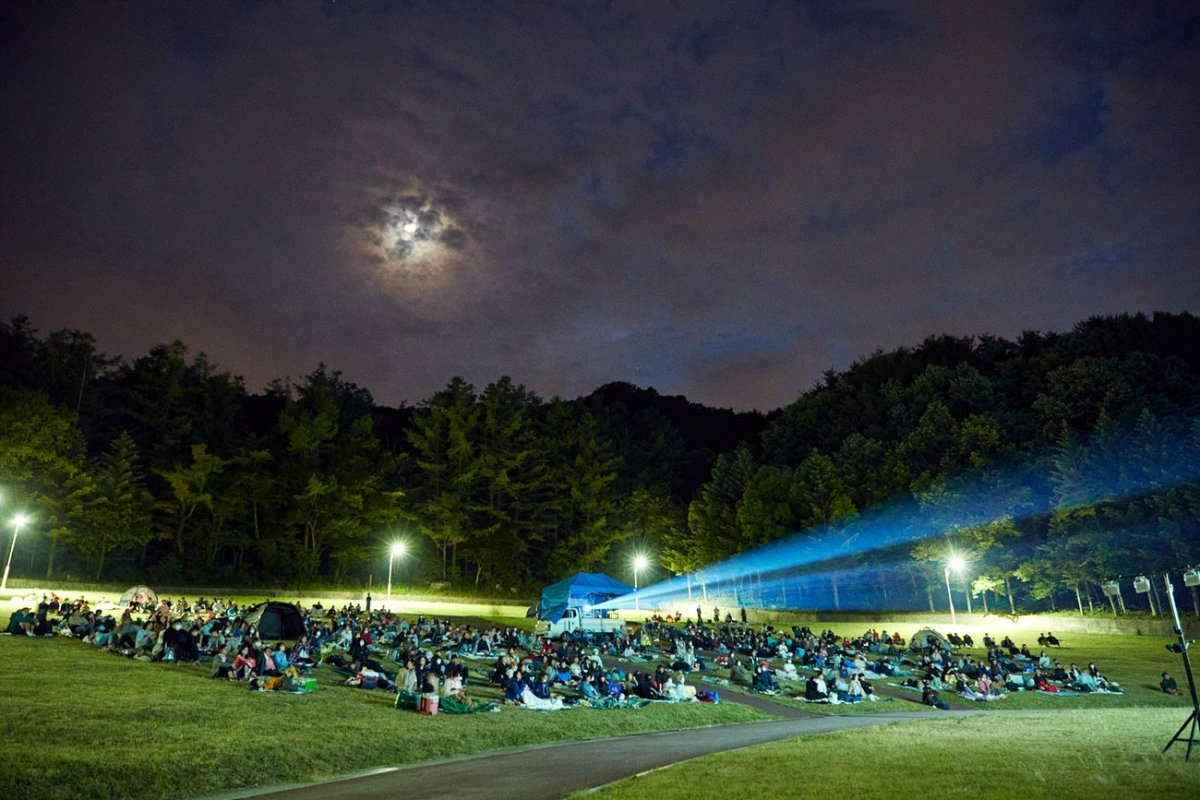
[(955, 563), (397, 550), (18, 522), (639, 563)]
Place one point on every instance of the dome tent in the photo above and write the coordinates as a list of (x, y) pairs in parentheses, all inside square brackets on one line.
[(276, 620), (925, 639), (138, 594)]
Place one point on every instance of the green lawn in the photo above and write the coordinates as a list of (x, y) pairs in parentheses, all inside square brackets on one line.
[(81, 723), (78, 723), (1135, 662), (1072, 755)]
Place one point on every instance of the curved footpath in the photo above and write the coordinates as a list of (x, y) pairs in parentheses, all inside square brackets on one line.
[(550, 771), (554, 770)]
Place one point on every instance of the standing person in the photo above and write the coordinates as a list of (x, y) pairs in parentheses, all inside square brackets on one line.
[(368, 602), (699, 616), (743, 614)]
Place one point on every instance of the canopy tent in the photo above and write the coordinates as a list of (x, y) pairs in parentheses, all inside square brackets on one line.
[(581, 589), (276, 620), (926, 639), (143, 595)]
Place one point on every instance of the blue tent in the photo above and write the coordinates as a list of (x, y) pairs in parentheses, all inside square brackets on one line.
[(581, 589)]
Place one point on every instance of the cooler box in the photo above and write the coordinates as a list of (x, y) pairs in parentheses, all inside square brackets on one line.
[(429, 704)]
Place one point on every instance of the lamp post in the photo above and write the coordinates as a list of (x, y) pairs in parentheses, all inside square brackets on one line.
[(18, 522), (955, 563), (397, 550), (639, 564)]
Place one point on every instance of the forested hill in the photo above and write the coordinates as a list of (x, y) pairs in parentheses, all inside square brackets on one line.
[(164, 467), (1052, 417)]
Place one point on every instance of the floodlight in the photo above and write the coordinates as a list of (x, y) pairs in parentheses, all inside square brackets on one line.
[(1141, 584), (19, 521), (640, 562), (1191, 577), (397, 550), (957, 563)]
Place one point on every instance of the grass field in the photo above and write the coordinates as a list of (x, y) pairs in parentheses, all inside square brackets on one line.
[(1072, 755), (80, 723), (1135, 662)]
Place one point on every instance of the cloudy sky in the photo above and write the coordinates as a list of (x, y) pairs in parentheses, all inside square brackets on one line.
[(715, 199)]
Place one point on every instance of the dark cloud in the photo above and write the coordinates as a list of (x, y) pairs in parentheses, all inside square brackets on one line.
[(717, 199)]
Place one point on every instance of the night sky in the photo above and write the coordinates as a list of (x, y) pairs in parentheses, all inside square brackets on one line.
[(721, 200)]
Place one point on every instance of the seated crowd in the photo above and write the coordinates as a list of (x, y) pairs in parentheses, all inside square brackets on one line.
[(376, 649)]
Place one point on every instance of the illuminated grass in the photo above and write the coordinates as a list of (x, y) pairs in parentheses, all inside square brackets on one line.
[(80, 723), (1073, 755)]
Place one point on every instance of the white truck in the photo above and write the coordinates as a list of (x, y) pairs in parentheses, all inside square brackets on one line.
[(576, 619)]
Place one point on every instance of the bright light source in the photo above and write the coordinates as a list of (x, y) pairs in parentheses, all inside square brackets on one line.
[(20, 520), (956, 563), (398, 549), (640, 562)]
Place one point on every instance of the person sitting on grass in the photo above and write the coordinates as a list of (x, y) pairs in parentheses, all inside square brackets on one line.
[(930, 698), (814, 688), (676, 689), (185, 644), (515, 687), (221, 665), (1090, 680), (280, 658), (739, 674), (301, 656), (453, 685), (243, 665), (1168, 684), (406, 677), (764, 680), (854, 691), (1103, 683), (23, 622)]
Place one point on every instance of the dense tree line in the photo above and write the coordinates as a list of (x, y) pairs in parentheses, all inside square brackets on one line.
[(1086, 445), (166, 467)]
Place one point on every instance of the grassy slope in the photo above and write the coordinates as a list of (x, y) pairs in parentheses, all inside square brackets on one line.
[(1089, 747), (1135, 662), (1073, 755), (81, 723)]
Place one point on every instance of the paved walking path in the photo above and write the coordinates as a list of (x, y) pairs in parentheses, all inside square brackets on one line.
[(547, 772)]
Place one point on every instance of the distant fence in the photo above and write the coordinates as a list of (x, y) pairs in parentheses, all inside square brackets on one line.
[(1132, 625)]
